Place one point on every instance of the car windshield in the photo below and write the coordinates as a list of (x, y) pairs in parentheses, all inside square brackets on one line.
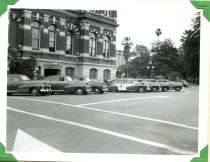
[(24, 78), (69, 78)]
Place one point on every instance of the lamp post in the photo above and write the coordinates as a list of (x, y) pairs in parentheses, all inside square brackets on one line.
[(150, 68)]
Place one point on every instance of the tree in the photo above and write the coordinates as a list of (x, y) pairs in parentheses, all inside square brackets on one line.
[(158, 32), (17, 65), (164, 58), (127, 43), (191, 49), (137, 67)]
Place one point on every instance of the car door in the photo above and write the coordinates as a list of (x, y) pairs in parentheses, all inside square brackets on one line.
[(53, 81), (124, 84), (13, 83), (62, 83)]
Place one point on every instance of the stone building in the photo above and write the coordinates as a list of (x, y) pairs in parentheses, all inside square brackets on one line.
[(78, 43)]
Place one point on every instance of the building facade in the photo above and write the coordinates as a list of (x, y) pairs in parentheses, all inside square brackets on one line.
[(78, 43)]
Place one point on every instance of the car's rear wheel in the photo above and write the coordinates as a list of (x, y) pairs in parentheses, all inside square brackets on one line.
[(154, 89), (34, 92), (102, 92), (163, 89), (79, 91), (115, 90), (96, 91), (177, 89), (141, 89)]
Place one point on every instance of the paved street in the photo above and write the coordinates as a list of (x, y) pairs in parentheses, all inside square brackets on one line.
[(133, 123)]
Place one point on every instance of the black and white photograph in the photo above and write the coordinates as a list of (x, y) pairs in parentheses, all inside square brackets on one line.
[(108, 80)]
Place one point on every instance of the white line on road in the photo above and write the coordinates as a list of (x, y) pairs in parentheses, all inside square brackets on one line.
[(120, 100), (131, 138), (186, 93), (113, 112)]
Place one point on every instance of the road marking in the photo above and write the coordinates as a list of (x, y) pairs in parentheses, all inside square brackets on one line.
[(25, 142), (113, 112), (131, 138), (186, 93), (120, 100)]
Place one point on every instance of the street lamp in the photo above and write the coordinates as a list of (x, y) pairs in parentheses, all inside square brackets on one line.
[(150, 68)]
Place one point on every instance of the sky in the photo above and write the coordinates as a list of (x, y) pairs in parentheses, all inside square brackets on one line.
[(139, 20)]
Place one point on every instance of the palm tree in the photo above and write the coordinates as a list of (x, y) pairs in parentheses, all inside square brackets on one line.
[(127, 43), (158, 32)]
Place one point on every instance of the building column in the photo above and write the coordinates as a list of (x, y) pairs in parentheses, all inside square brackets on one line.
[(27, 37), (113, 46), (62, 37), (84, 39), (100, 43), (45, 39)]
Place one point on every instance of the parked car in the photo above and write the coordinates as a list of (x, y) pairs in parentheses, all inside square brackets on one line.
[(17, 83), (126, 84), (170, 85), (96, 86), (184, 83), (151, 84), (65, 84)]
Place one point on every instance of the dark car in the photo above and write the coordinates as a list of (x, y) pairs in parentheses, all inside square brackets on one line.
[(65, 84), (22, 84), (97, 86), (126, 84)]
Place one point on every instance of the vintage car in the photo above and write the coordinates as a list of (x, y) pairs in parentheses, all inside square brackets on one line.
[(65, 84), (184, 83), (21, 84), (96, 86), (170, 85), (126, 84), (151, 84)]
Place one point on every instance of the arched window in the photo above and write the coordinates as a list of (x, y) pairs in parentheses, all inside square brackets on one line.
[(35, 35), (93, 73), (106, 47), (70, 71), (52, 38), (92, 44), (107, 74), (69, 43)]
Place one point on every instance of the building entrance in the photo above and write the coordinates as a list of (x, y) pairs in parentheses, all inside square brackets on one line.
[(48, 72)]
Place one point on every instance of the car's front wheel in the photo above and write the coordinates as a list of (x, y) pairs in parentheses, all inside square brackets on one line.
[(154, 89), (79, 91), (96, 91), (141, 89), (34, 92), (164, 89), (177, 89)]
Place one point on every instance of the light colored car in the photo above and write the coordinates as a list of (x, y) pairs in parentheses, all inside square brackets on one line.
[(151, 84), (170, 85), (65, 84), (184, 83), (126, 84), (17, 83)]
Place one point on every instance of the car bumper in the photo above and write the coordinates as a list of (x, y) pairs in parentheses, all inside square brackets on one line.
[(45, 90)]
